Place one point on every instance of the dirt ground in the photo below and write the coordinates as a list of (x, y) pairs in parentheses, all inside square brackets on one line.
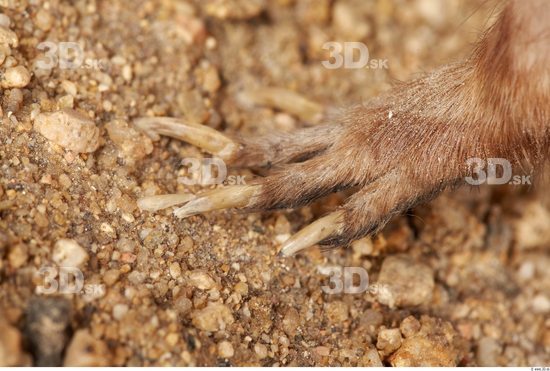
[(463, 280)]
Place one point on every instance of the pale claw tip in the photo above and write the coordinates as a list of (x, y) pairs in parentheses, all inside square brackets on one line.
[(219, 198), (312, 234), (158, 202)]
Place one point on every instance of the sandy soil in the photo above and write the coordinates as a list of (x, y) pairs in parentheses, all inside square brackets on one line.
[(461, 281)]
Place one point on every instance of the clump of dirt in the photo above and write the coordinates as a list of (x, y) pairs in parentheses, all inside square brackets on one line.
[(210, 289)]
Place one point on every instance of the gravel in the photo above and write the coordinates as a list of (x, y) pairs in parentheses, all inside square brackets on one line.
[(405, 282), (47, 329), (16, 77), (69, 129), (68, 253), (209, 290)]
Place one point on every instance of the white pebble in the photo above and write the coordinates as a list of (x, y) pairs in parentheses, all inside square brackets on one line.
[(175, 270), (225, 349), (201, 280), (541, 304), (16, 77), (8, 37), (69, 129), (214, 317), (68, 253), (5, 21), (119, 311)]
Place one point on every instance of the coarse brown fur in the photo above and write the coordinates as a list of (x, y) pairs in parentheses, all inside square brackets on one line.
[(413, 142)]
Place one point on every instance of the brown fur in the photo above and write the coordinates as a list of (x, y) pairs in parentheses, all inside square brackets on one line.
[(413, 142)]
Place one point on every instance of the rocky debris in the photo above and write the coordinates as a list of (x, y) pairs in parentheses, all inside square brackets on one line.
[(68, 253), (404, 282), (260, 350), (291, 321), (371, 358), (409, 326), (201, 280), (531, 227), (69, 129), (236, 9), (225, 349), (86, 351), (389, 340), (487, 352), (119, 311), (435, 345), (44, 19), (541, 304), (337, 312), (11, 353), (131, 144), (47, 329), (8, 37), (18, 255), (214, 317), (350, 24), (170, 58), (16, 77)]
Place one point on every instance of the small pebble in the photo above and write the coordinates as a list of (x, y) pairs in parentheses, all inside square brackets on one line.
[(241, 288), (337, 311), (111, 276), (172, 339), (404, 282), (201, 280), (409, 326), (433, 346), (389, 340), (69, 129), (175, 270), (16, 77), (132, 144), (119, 311), (214, 317), (11, 352), (260, 350), (5, 21), (322, 351), (183, 305), (488, 350), (68, 253), (44, 20), (291, 321), (18, 255), (8, 37), (225, 349), (86, 351), (541, 304), (69, 87)]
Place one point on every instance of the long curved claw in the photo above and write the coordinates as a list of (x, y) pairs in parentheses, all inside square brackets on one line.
[(313, 233), (287, 101), (198, 135), (219, 198), (154, 203)]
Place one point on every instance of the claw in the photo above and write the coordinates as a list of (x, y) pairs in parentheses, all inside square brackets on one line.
[(200, 136), (154, 203), (220, 198), (312, 234), (288, 101)]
